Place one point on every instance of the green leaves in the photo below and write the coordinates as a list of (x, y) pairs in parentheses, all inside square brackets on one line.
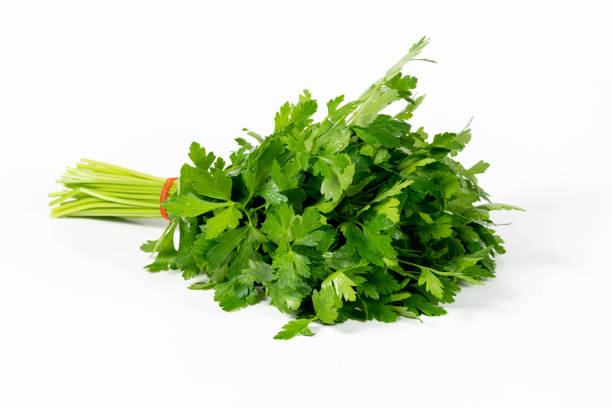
[(326, 304), (452, 142), (190, 205), (295, 328), (164, 247), (224, 219), (226, 243), (394, 190), (337, 172), (383, 131), (199, 157), (431, 282), (261, 272), (371, 244), (259, 164), (496, 206), (291, 266), (355, 217), (342, 285), (414, 51), (283, 227), (215, 184), (296, 116)]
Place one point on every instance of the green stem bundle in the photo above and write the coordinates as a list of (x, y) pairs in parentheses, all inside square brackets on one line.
[(97, 189)]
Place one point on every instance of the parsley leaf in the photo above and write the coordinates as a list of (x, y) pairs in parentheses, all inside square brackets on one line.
[(294, 328)]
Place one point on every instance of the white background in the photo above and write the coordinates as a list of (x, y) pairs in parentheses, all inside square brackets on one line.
[(133, 83)]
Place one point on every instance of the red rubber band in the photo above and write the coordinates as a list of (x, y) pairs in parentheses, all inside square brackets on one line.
[(164, 194)]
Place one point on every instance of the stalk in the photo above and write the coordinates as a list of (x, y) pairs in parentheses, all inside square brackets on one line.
[(97, 189)]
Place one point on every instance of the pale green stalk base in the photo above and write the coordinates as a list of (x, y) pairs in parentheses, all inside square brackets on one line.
[(96, 189)]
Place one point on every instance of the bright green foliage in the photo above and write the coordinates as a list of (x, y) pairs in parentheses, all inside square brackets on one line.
[(294, 328), (358, 216), (189, 205)]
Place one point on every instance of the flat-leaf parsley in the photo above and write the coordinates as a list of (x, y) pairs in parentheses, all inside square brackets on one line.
[(359, 216)]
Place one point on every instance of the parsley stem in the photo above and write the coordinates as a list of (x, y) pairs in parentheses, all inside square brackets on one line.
[(352, 220), (258, 208), (246, 212), (98, 189)]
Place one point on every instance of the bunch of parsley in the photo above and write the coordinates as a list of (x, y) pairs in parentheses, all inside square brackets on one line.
[(358, 216)]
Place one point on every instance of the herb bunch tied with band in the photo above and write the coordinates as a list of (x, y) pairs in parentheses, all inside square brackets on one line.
[(358, 216)]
